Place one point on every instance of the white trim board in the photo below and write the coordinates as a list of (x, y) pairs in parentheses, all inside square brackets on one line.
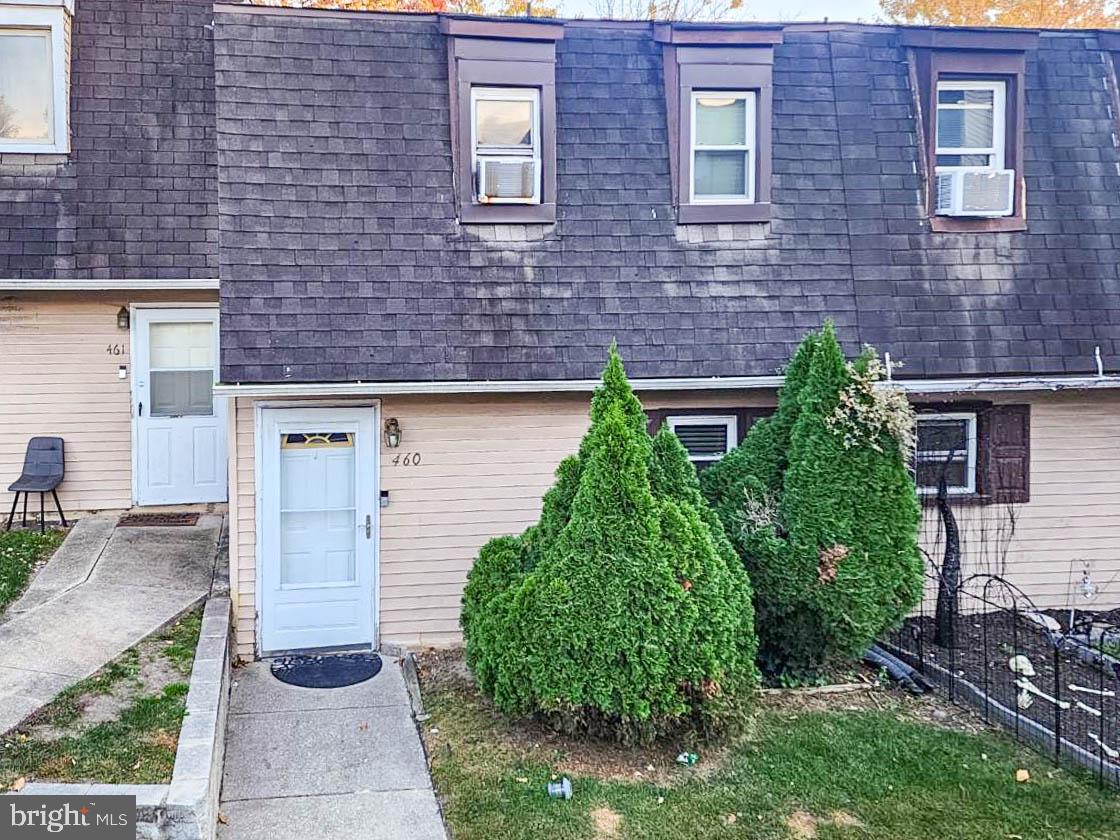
[(729, 383), (55, 285)]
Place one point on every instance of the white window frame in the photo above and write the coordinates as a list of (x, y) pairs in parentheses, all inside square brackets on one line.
[(954, 490), (508, 94), (749, 147), (998, 151), (728, 420), (52, 17)]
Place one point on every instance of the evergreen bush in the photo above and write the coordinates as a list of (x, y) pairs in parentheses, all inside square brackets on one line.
[(821, 507), (624, 611)]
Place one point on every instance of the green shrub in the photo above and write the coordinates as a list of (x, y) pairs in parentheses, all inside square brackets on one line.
[(623, 612), (823, 511)]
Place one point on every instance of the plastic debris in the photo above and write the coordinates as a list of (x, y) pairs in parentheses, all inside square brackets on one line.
[(561, 789), (687, 759), (1021, 665), (1024, 700)]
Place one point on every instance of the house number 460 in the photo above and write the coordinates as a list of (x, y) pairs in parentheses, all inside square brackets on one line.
[(408, 459)]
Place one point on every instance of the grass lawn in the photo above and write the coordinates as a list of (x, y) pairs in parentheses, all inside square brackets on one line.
[(20, 552), (871, 765), (119, 726)]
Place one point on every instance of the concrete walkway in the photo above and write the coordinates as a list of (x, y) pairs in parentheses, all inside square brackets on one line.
[(104, 590), (303, 764)]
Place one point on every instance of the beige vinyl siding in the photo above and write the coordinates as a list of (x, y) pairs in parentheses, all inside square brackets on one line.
[(58, 378), (486, 462)]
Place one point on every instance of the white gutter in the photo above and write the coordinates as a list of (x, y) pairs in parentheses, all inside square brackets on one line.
[(55, 285), (725, 383)]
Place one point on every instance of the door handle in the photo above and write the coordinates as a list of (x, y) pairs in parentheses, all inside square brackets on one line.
[(369, 526), (140, 409)]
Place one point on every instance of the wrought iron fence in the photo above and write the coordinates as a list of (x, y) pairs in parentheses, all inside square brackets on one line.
[(1050, 677)]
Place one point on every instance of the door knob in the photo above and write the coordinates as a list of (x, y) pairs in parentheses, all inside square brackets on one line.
[(369, 526)]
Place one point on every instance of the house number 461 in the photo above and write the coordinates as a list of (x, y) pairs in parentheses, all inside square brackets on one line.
[(408, 459)]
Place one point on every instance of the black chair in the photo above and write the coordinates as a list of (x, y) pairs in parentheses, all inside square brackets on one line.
[(42, 473)]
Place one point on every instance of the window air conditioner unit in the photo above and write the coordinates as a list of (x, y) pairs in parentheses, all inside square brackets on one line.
[(976, 192), (508, 180)]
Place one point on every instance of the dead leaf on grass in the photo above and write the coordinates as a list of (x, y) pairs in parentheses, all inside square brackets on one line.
[(18, 785), (802, 825), (166, 740), (606, 821), (842, 819)]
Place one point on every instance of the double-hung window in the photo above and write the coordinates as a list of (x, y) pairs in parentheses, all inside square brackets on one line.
[(506, 145), (34, 103), (971, 130), (946, 446), (706, 438), (971, 149), (723, 150)]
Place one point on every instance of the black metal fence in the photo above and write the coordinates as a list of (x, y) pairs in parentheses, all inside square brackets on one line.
[(1051, 677)]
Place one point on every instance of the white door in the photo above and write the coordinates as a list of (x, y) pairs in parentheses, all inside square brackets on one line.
[(180, 426), (318, 493)]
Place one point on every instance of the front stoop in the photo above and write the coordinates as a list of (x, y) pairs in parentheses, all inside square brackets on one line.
[(186, 809)]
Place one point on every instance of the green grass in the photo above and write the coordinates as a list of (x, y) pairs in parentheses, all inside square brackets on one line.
[(19, 552), (138, 747), (899, 777)]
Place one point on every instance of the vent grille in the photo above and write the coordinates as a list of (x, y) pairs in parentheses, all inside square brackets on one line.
[(505, 180), (703, 440)]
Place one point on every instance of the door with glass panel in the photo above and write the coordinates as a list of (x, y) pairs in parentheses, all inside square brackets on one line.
[(180, 426), (318, 535)]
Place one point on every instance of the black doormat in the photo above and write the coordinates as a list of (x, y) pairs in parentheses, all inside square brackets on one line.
[(163, 520), (334, 671)]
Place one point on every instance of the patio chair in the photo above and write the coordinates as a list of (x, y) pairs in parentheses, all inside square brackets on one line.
[(42, 473)]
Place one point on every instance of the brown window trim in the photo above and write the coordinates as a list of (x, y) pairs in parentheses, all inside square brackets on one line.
[(1110, 43), (501, 53), (994, 449), (936, 54), (729, 57)]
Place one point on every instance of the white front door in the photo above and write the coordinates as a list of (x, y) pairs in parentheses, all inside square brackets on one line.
[(180, 426), (318, 493)]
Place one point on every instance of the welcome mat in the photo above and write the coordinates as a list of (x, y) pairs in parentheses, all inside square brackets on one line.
[(138, 520), (331, 671)]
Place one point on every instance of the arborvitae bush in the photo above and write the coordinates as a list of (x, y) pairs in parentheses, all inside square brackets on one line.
[(823, 513), (624, 611)]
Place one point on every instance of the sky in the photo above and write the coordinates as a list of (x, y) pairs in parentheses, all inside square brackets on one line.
[(774, 10)]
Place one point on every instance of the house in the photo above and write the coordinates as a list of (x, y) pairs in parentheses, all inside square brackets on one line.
[(427, 229)]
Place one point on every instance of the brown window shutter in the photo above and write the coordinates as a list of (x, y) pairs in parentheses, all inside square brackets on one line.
[(1005, 445)]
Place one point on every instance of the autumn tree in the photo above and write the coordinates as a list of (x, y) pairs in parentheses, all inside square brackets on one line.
[(687, 10), (1035, 14)]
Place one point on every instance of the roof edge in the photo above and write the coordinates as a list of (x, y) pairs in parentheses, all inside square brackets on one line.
[(970, 385), (88, 285)]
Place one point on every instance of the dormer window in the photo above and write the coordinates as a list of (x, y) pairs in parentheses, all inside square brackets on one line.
[(724, 138), (34, 100), (969, 90), (505, 133), (502, 79), (971, 148), (719, 108)]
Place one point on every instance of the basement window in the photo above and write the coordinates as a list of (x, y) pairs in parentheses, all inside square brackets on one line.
[(706, 438)]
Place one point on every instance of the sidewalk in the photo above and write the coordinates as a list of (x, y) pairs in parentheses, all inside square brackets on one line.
[(304, 763), (104, 590)]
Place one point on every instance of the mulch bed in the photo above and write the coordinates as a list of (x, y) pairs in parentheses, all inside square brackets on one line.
[(138, 520), (984, 646)]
